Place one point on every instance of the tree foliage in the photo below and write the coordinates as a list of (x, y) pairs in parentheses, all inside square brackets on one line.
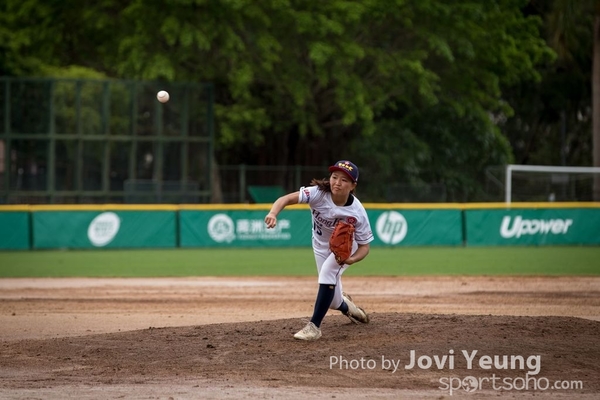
[(417, 86), (552, 123)]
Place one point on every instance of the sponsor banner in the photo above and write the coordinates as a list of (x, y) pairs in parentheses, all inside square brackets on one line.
[(243, 229), (96, 229), (565, 226), (416, 227), (14, 231), (247, 228)]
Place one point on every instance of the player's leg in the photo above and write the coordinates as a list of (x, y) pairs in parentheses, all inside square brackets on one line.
[(329, 273), (330, 279), (325, 295), (341, 301), (329, 296)]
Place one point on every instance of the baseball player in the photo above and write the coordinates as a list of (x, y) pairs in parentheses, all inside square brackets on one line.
[(331, 200)]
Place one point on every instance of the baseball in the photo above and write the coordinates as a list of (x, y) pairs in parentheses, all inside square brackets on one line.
[(162, 96)]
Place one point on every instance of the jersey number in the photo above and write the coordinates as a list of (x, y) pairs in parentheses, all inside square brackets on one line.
[(317, 229)]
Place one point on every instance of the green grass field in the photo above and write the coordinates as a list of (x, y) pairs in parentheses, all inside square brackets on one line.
[(300, 262)]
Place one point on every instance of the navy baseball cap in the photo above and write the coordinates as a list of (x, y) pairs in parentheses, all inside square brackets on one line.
[(348, 167)]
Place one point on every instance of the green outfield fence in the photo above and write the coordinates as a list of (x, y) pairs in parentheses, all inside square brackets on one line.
[(110, 226)]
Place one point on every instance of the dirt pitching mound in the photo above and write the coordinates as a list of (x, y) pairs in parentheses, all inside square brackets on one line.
[(395, 355)]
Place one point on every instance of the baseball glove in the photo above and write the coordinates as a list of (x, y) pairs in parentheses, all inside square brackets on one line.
[(340, 242)]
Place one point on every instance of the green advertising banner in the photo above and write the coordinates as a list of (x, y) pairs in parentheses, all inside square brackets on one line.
[(231, 228), (294, 228), (416, 227), (556, 226), (96, 229), (14, 230)]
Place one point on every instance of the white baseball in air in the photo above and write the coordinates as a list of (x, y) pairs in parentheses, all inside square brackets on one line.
[(162, 96)]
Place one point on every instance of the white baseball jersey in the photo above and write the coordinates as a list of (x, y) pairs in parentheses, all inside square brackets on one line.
[(326, 214)]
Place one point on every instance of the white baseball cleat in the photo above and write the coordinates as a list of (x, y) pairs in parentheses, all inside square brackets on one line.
[(355, 313), (309, 332)]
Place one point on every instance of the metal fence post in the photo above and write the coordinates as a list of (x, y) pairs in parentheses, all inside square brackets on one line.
[(242, 178), (51, 165), (7, 142)]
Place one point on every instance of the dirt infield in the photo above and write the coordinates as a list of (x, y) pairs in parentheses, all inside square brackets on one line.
[(186, 338)]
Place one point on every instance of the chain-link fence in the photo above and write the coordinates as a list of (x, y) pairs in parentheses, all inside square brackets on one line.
[(74, 141), (90, 141)]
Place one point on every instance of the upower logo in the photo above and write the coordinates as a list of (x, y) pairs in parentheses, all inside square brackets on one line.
[(391, 227), (522, 226)]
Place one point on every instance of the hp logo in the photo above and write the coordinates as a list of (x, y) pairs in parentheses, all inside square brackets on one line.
[(391, 227)]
